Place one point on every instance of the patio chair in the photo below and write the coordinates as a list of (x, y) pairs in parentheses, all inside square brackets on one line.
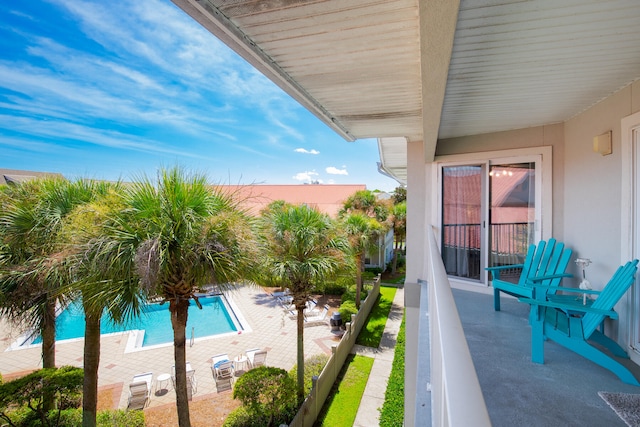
[(222, 371), (192, 383), (319, 317), (256, 357), (191, 379), (545, 265), (573, 324), (312, 307), (140, 391), (221, 366), (284, 293)]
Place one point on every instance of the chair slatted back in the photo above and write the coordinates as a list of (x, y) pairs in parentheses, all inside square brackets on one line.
[(529, 261), (557, 262), (546, 258), (620, 282)]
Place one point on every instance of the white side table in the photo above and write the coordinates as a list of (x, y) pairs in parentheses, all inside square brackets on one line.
[(162, 382), (240, 363)]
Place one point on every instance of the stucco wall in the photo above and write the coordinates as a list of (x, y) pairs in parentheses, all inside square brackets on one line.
[(593, 184)]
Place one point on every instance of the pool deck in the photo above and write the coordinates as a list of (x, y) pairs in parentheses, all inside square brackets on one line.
[(268, 328)]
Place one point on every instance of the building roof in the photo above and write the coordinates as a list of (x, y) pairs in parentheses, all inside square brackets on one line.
[(328, 199), (8, 176)]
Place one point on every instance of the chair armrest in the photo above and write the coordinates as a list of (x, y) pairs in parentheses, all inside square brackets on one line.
[(548, 277), (570, 307), (565, 289), (503, 267)]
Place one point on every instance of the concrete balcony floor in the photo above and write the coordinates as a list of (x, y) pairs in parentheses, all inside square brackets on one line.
[(561, 392)]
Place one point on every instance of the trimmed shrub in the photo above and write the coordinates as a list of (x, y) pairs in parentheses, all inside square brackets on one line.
[(268, 394), (371, 272), (38, 388), (346, 309), (349, 294), (120, 418), (313, 366), (242, 417)]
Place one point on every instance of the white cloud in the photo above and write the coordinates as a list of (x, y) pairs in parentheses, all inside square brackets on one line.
[(305, 176), (302, 150), (335, 171)]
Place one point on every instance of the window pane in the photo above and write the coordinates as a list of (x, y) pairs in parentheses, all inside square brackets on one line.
[(461, 211), (512, 213)]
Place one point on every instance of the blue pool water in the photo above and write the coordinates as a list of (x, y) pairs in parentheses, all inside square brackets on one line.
[(213, 319)]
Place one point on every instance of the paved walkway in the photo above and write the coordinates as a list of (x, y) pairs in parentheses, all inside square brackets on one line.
[(369, 411)]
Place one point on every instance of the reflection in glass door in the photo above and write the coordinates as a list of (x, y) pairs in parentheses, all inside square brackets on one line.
[(512, 214), (461, 220)]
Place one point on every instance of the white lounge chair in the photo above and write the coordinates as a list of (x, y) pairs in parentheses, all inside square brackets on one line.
[(192, 384), (222, 370), (284, 293), (140, 391), (257, 357), (221, 366), (319, 317)]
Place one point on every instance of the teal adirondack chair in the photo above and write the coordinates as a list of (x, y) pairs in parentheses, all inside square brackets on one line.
[(545, 264), (572, 324)]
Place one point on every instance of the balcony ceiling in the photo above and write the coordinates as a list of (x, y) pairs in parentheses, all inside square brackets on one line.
[(402, 70)]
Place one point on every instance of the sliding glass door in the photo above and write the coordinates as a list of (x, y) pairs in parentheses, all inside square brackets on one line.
[(488, 216), (462, 219)]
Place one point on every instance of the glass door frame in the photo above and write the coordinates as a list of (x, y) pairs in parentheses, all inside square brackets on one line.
[(629, 312), (541, 156)]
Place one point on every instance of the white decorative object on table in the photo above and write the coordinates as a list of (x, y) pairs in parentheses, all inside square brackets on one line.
[(584, 284)]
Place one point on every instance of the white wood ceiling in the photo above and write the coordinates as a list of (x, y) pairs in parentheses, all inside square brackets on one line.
[(517, 64), (356, 64)]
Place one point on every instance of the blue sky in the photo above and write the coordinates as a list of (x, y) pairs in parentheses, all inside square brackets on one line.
[(113, 89)]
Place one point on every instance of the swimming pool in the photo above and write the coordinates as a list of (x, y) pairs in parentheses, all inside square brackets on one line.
[(216, 317)]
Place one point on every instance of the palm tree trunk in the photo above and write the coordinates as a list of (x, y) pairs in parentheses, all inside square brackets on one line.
[(358, 279), (91, 364), (179, 311), (300, 324), (49, 335)]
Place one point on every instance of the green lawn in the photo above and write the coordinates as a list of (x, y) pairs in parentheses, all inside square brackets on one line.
[(371, 334), (342, 405)]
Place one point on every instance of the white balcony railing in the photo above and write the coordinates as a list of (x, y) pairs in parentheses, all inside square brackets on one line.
[(456, 397)]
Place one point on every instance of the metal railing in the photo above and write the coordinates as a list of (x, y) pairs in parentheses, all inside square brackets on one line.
[(461, 246), (457, 398)]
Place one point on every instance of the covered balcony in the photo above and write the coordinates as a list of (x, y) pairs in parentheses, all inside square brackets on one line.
[(475, 363)]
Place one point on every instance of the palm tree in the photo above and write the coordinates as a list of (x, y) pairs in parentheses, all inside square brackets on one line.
[(178, 235), (120, 297), (363, 233), (365, 202), (32, 267), (398, 221), (301, 247)]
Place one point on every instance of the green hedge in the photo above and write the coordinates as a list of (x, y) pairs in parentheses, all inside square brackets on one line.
[(392, 412)]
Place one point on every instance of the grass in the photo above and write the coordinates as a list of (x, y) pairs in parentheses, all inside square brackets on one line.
[(371, 334), (396, 280), (341, 407), (392, 412)]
